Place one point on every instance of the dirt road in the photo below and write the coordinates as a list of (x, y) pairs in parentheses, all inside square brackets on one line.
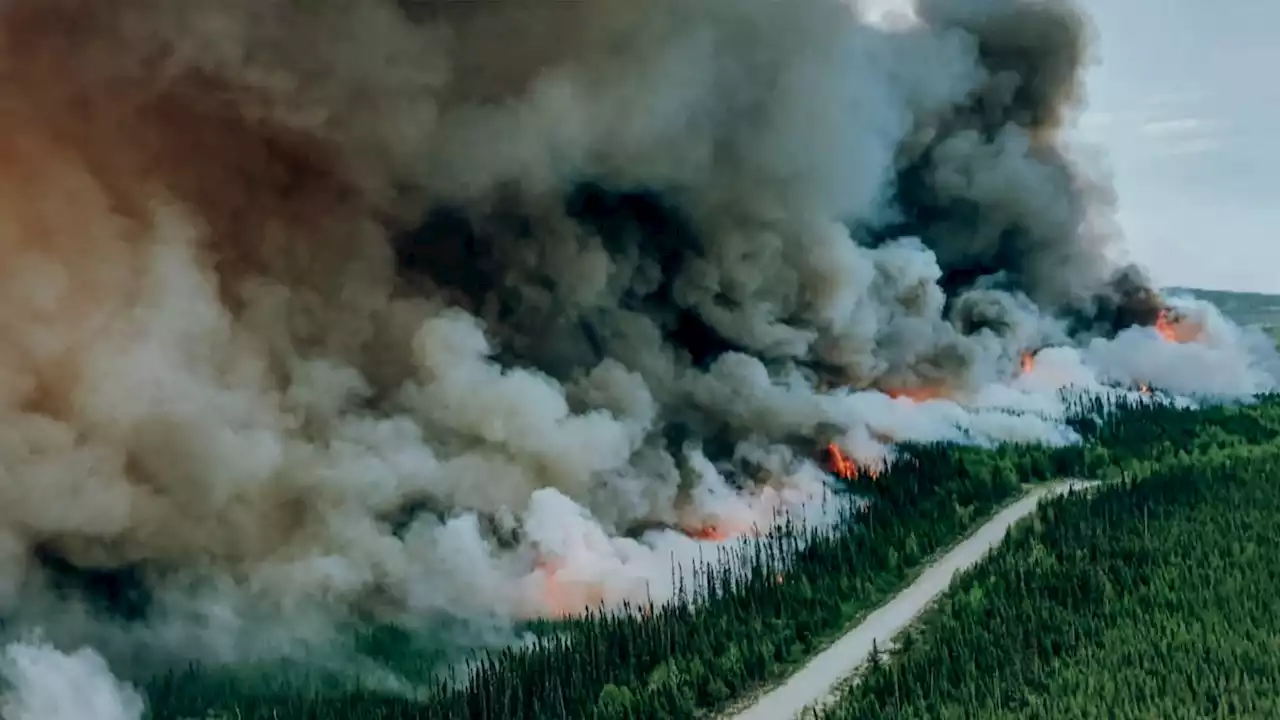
[(814, 683)]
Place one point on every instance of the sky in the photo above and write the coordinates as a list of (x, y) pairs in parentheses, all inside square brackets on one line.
[(1182, 104)]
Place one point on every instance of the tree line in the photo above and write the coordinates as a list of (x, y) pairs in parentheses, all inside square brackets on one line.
[(1156, 597), (747, 620)]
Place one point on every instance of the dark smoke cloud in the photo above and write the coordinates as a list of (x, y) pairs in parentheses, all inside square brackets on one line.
[(977, 172), (321, 310)]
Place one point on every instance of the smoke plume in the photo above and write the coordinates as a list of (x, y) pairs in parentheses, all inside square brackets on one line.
[(44, 684), (330, 310)]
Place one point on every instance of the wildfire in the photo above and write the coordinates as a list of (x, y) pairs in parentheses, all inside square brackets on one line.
[(719, 532), (916, 394), (710, 533), (1165, 326), (844, 466), (840, 464), (1173, 326), (561, 597), (1028, 361), (1144, 388), (555, 601)]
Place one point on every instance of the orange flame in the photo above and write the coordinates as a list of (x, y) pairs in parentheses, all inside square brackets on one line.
[(1144, 388), (719, 532), (555, 600), (844, 466), (710, 533), (1165, 327), (562, 598), (1028, 361), (916, 394), (840, 464)]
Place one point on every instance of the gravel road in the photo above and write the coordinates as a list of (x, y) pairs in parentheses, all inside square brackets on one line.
[(816, 681)]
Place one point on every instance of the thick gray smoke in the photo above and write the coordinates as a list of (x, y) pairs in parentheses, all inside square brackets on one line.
[(321, 310)]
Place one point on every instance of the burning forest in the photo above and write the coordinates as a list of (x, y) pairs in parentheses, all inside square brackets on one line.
[(325, 311)]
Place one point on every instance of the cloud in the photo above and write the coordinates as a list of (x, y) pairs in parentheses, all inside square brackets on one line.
[(1180, 136), (1172, 127)]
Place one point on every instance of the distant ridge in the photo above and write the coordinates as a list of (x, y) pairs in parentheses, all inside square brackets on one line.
[(1245, 308)]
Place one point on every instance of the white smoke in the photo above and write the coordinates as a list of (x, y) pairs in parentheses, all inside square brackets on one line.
[(43, 683), (1211, 355)]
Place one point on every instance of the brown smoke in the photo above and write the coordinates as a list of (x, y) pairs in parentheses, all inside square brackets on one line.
[(184, 223), (236, 362)]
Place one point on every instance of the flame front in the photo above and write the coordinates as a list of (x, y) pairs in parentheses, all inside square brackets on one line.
[(556, 602), (710, 533), (916, 394), (1165, 326), (720, 531), (562, 597), (1028, 362), (841, 465), (844, 466)]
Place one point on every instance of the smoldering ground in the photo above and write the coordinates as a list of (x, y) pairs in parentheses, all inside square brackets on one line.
[(318, 313)]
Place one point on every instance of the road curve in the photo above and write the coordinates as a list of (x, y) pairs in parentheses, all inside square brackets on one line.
[(824, 672)]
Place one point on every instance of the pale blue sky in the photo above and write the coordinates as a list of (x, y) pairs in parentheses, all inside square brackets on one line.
[(1184, 102)]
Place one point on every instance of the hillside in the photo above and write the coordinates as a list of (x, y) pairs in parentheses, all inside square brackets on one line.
[(1245, 308), (748, 621), (511, 360), (1145, 600)]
